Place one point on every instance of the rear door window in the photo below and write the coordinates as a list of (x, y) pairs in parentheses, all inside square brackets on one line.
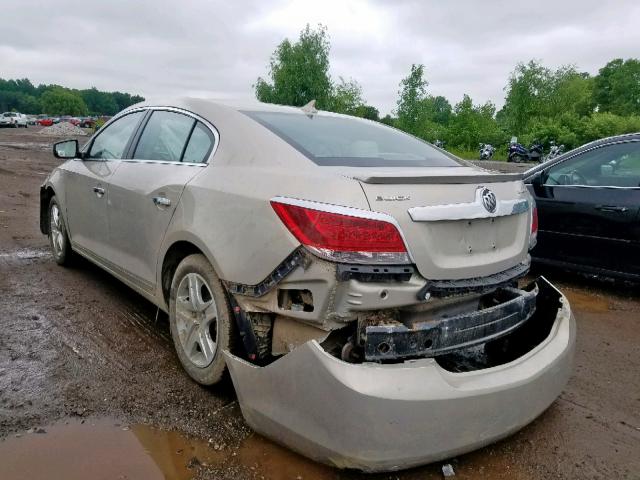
[(164, 137), (199, 146), (112, 141)]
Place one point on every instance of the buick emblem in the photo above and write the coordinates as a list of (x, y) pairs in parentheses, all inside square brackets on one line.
[(489, 200)]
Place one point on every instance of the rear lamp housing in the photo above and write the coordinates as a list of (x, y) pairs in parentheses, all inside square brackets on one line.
[(343, 234), (533, 238)]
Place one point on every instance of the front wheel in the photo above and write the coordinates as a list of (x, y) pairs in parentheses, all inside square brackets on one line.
[(58, 236), (200, 320)]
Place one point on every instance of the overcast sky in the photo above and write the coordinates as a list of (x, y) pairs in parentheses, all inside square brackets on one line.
[(219, 48)]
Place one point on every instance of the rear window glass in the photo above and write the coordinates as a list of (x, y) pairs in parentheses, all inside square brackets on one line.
[(344, 141)]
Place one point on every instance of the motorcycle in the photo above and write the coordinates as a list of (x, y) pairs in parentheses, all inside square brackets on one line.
[(439, 144), (518, 153), (486, 151), (554, 151)]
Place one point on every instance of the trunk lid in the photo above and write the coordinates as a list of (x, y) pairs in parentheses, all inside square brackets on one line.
[(449, 231)]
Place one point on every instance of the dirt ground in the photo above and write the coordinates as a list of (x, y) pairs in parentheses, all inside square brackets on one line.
[(90, 386)]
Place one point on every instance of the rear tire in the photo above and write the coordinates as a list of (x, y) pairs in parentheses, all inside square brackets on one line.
[(200, 318), (58, 236)]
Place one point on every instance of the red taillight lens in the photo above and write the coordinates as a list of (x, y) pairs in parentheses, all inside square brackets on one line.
[(336, 236), (533, 237)]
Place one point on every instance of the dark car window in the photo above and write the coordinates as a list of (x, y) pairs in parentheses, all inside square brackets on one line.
[(331, 140), (111, 142), (164, 136), (199, 146), (616, 165)]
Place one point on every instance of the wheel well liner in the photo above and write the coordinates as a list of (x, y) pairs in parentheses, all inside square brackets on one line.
[(46, 193), (174, 255)]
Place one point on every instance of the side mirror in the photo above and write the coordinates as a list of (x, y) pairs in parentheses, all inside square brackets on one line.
[(536, 181), (66, 149)]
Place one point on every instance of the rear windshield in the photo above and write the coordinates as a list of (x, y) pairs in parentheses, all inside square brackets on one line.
[(344, 141)]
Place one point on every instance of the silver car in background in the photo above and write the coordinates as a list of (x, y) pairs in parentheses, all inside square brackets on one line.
[(13, 120), (363, 288)]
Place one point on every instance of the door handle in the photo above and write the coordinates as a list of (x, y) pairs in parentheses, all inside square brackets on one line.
[(611, 208), (99, 191), (161, 201)]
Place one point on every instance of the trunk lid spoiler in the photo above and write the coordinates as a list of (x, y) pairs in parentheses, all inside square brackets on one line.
[(375, 178)]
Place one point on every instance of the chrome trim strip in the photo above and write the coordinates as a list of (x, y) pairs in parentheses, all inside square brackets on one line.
[(611, 187), (349, 211), (162, 162), (214, 131), (468, 211)]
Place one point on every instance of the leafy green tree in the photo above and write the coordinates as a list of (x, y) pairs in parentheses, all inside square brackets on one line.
[(99, 102), (346, 97), (527, 90), (570, 91), (437, 109), (389, 120), (410, 106), (60, 101), (617, 87), (367, 111), (22, 96), (473, 124), (299, 71), (124, 100)]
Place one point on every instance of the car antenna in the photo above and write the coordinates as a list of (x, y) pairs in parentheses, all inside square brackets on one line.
[(310, 108)]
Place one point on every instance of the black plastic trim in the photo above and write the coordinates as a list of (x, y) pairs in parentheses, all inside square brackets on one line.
[(281, 271)]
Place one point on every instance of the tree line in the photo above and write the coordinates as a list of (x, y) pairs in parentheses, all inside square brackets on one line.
[(22, 96), (541, 104)]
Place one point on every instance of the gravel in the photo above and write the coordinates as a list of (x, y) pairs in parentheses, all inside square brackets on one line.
[(62, 129)]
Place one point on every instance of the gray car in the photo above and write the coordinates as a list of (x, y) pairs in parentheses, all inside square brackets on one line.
[(362, 287)]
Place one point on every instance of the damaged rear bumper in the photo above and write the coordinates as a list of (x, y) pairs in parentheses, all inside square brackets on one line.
[(382, 417)]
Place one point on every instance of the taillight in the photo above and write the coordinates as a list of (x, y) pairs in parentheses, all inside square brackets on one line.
[(342, 237), (534, 227)]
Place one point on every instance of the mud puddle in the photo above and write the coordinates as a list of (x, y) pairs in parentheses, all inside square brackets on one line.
[(100, 450), (25, 254), (587, 301), (27, 145), (105, 449)]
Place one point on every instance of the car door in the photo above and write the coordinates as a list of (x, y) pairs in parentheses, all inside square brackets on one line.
[(588, 209), (87, 186), (170, 150)]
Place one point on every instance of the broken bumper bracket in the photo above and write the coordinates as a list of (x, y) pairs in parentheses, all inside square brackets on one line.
[(436, 337)]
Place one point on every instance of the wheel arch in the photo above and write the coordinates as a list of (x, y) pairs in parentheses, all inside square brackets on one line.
[(175, 251), (46, 194)]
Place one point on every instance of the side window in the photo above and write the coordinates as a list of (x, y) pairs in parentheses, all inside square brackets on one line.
[(112, 141), (615, 165), (199, 146), (164, 137)]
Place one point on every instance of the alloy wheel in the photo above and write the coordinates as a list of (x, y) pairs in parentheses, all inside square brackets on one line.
[(196, 320), (57, 231)]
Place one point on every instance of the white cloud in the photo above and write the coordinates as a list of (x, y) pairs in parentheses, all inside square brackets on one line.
[(158, 47)]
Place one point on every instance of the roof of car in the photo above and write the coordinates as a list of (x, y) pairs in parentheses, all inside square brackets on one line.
[(240, 105)]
